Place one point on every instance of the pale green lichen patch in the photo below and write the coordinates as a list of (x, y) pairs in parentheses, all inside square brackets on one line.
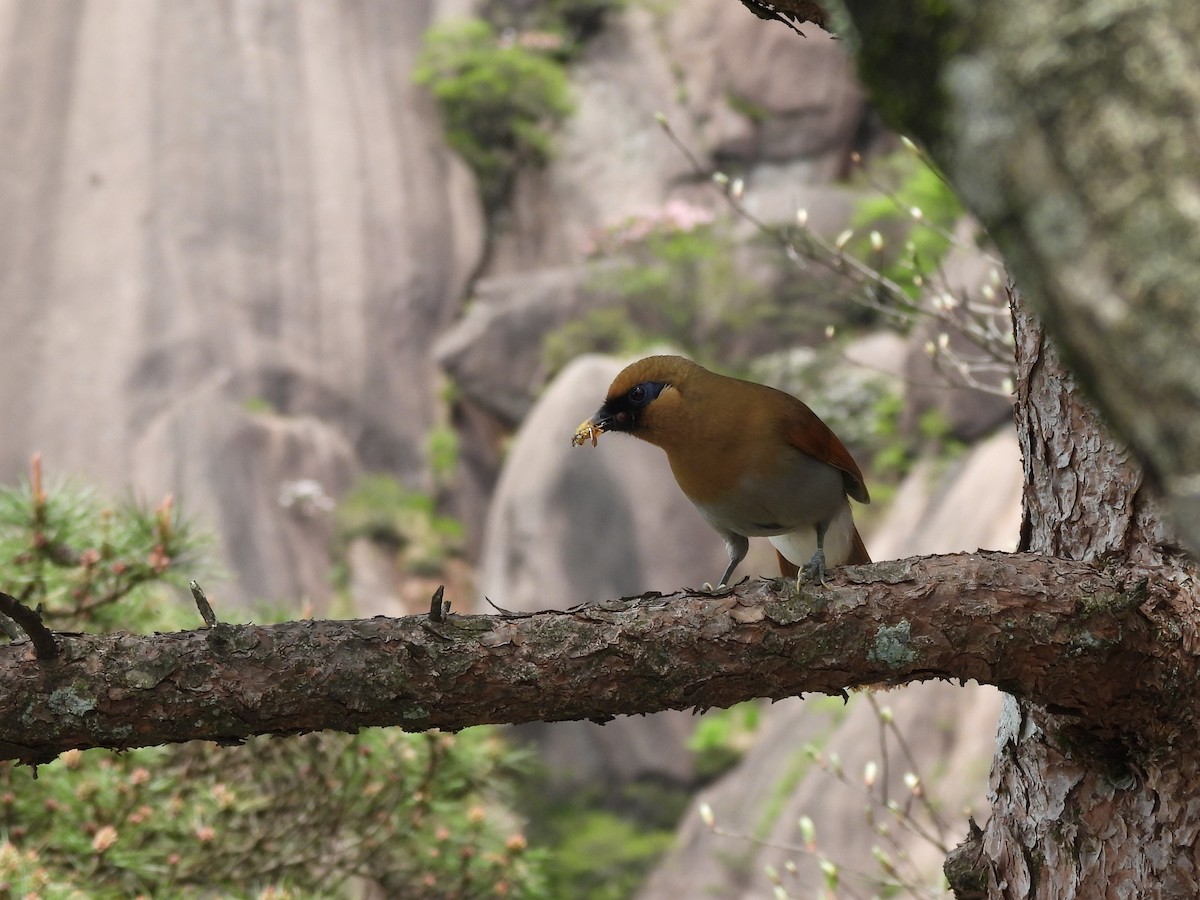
[(150, 672), (892, 645), (66, 701), (1114, 602)]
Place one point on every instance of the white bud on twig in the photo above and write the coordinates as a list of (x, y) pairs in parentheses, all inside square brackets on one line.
[(808, 832), (830, 870)]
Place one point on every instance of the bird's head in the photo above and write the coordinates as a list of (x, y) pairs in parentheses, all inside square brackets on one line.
[(645, 400)]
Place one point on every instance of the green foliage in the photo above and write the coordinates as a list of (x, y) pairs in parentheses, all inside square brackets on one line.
[(424, 816), (500, 102), (258, 406), (894, 453), (605, 839), (75, 555), (600, 851), (416, 813), (603, 856), (917, 186), (441, 452), (608, 329), (381, 508), (755, 112), (722, 736), (571, 22), (670, 277)]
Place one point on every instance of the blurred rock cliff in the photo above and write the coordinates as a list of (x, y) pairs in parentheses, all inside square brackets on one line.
[(238, 263)]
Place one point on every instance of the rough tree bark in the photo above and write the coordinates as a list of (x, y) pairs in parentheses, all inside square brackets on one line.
[(1039, 627), (1079, 810)]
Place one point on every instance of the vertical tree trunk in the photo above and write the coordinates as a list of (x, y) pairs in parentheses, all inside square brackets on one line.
[(1076, 813)]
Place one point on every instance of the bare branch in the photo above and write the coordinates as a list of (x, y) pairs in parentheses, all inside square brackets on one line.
[(1038, 627), (202, 605), (31, 623)]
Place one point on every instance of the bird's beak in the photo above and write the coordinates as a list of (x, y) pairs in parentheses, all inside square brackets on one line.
[(592, 428)]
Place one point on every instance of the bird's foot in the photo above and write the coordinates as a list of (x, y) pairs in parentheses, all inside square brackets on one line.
[(814, 570), (709, 589)]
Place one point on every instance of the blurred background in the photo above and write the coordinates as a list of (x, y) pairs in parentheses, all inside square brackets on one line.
[(341, 278)]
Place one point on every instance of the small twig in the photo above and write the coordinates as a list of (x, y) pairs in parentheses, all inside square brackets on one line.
[(883, 749), (202, 604), (31, 623), (510, 614), (9, 627), (884, 295), (856, 160), (941, 826), (438, 605)]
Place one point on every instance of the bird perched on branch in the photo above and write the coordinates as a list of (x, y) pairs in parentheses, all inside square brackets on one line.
[(754, 460)]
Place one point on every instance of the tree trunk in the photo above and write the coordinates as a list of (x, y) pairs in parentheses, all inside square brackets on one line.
[(1070, 129), (1082, 811)]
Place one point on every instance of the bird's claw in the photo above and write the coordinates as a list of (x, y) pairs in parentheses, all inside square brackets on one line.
[(814, 570)]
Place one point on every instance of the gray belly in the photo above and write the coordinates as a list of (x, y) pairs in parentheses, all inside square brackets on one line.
[(807, 493)]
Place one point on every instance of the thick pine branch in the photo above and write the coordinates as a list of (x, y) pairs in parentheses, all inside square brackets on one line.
[(1048, 629)]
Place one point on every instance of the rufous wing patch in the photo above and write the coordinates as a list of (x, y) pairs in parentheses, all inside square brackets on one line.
[(807, 433)]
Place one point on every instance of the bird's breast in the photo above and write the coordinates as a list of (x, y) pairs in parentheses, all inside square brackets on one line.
[(797, 493)]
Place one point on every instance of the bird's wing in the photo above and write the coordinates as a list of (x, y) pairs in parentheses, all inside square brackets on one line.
[(805, 431)]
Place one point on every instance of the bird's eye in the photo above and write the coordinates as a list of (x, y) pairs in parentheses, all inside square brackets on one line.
[(641, 394)]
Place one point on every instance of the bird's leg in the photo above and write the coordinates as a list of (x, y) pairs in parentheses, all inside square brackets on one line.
[(736, 546), (814, 569)]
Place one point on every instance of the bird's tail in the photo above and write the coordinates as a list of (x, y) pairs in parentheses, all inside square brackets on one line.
[(858, 551), (787, 568)]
